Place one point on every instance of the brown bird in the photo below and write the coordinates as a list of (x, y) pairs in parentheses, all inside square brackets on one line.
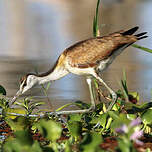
[(89, 57)]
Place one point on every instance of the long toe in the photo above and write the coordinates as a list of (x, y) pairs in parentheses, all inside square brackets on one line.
[(114, 97)]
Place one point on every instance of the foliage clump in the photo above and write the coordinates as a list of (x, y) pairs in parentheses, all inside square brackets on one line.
[(127, 127)]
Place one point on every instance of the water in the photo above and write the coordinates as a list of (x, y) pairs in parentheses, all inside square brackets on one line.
[(34, 33)]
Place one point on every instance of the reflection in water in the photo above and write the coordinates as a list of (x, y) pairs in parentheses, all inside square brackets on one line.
[(36, 32)]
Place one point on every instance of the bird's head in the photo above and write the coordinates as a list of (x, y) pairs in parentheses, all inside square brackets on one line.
[(26, 82)]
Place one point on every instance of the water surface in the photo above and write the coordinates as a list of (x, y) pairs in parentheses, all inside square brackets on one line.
[(34, 33)]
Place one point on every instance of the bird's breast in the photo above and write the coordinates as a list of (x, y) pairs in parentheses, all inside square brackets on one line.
[(79, 71)]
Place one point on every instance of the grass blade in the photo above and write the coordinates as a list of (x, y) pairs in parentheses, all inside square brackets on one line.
[(95, 22), (142, 48), (64, 106), (48, 85)]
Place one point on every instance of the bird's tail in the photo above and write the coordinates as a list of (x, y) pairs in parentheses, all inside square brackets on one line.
[(141, 35), (133, 30)]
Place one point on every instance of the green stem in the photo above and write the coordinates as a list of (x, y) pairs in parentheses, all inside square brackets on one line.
[(142, 48), (95, 22), (45, 93)]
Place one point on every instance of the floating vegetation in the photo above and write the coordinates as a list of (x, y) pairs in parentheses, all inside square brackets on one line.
[(127, 127)]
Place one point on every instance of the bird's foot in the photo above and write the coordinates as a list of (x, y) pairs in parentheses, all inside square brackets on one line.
[(92, 108), (114, 97)]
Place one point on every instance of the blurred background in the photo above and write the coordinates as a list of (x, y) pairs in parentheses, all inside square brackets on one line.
[(33, 33)]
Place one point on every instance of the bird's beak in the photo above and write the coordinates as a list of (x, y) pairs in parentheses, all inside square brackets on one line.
[(15, 97)]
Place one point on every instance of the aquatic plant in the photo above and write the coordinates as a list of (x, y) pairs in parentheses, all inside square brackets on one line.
[(28, 128)]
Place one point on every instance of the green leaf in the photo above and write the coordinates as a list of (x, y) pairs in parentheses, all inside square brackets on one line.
[(48, 85), (2, 90), (125, 145), (114, 114), (37, 148), (146, 117), (24, 137), (134, 96), (19, 123), (75, 117), (38, 103), (131, 116), (95, 27), (96, 83), (142, 48), (148, 150), (64, 106), (117, 106), (75, 128), (132, 109), (16, 111), (109, 123), (46, 149), (91, 142), (95, 21), (103, 119), (146, 105), (34, 106), (68, 146), (82, 105), (118, 122), (4, 104), (124, 85), (50, 129), (22, 143), (12, 145), (94, 120)]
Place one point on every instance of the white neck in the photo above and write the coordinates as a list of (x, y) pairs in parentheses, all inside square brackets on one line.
[(54, 75)]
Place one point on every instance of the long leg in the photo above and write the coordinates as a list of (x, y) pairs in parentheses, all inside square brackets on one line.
[(89, 81), (114, 95), (92, 107)]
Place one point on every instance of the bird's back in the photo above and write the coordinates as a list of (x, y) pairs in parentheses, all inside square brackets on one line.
[(89, 52)]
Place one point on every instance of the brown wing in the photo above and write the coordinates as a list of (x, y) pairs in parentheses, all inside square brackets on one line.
[(89, 52)]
